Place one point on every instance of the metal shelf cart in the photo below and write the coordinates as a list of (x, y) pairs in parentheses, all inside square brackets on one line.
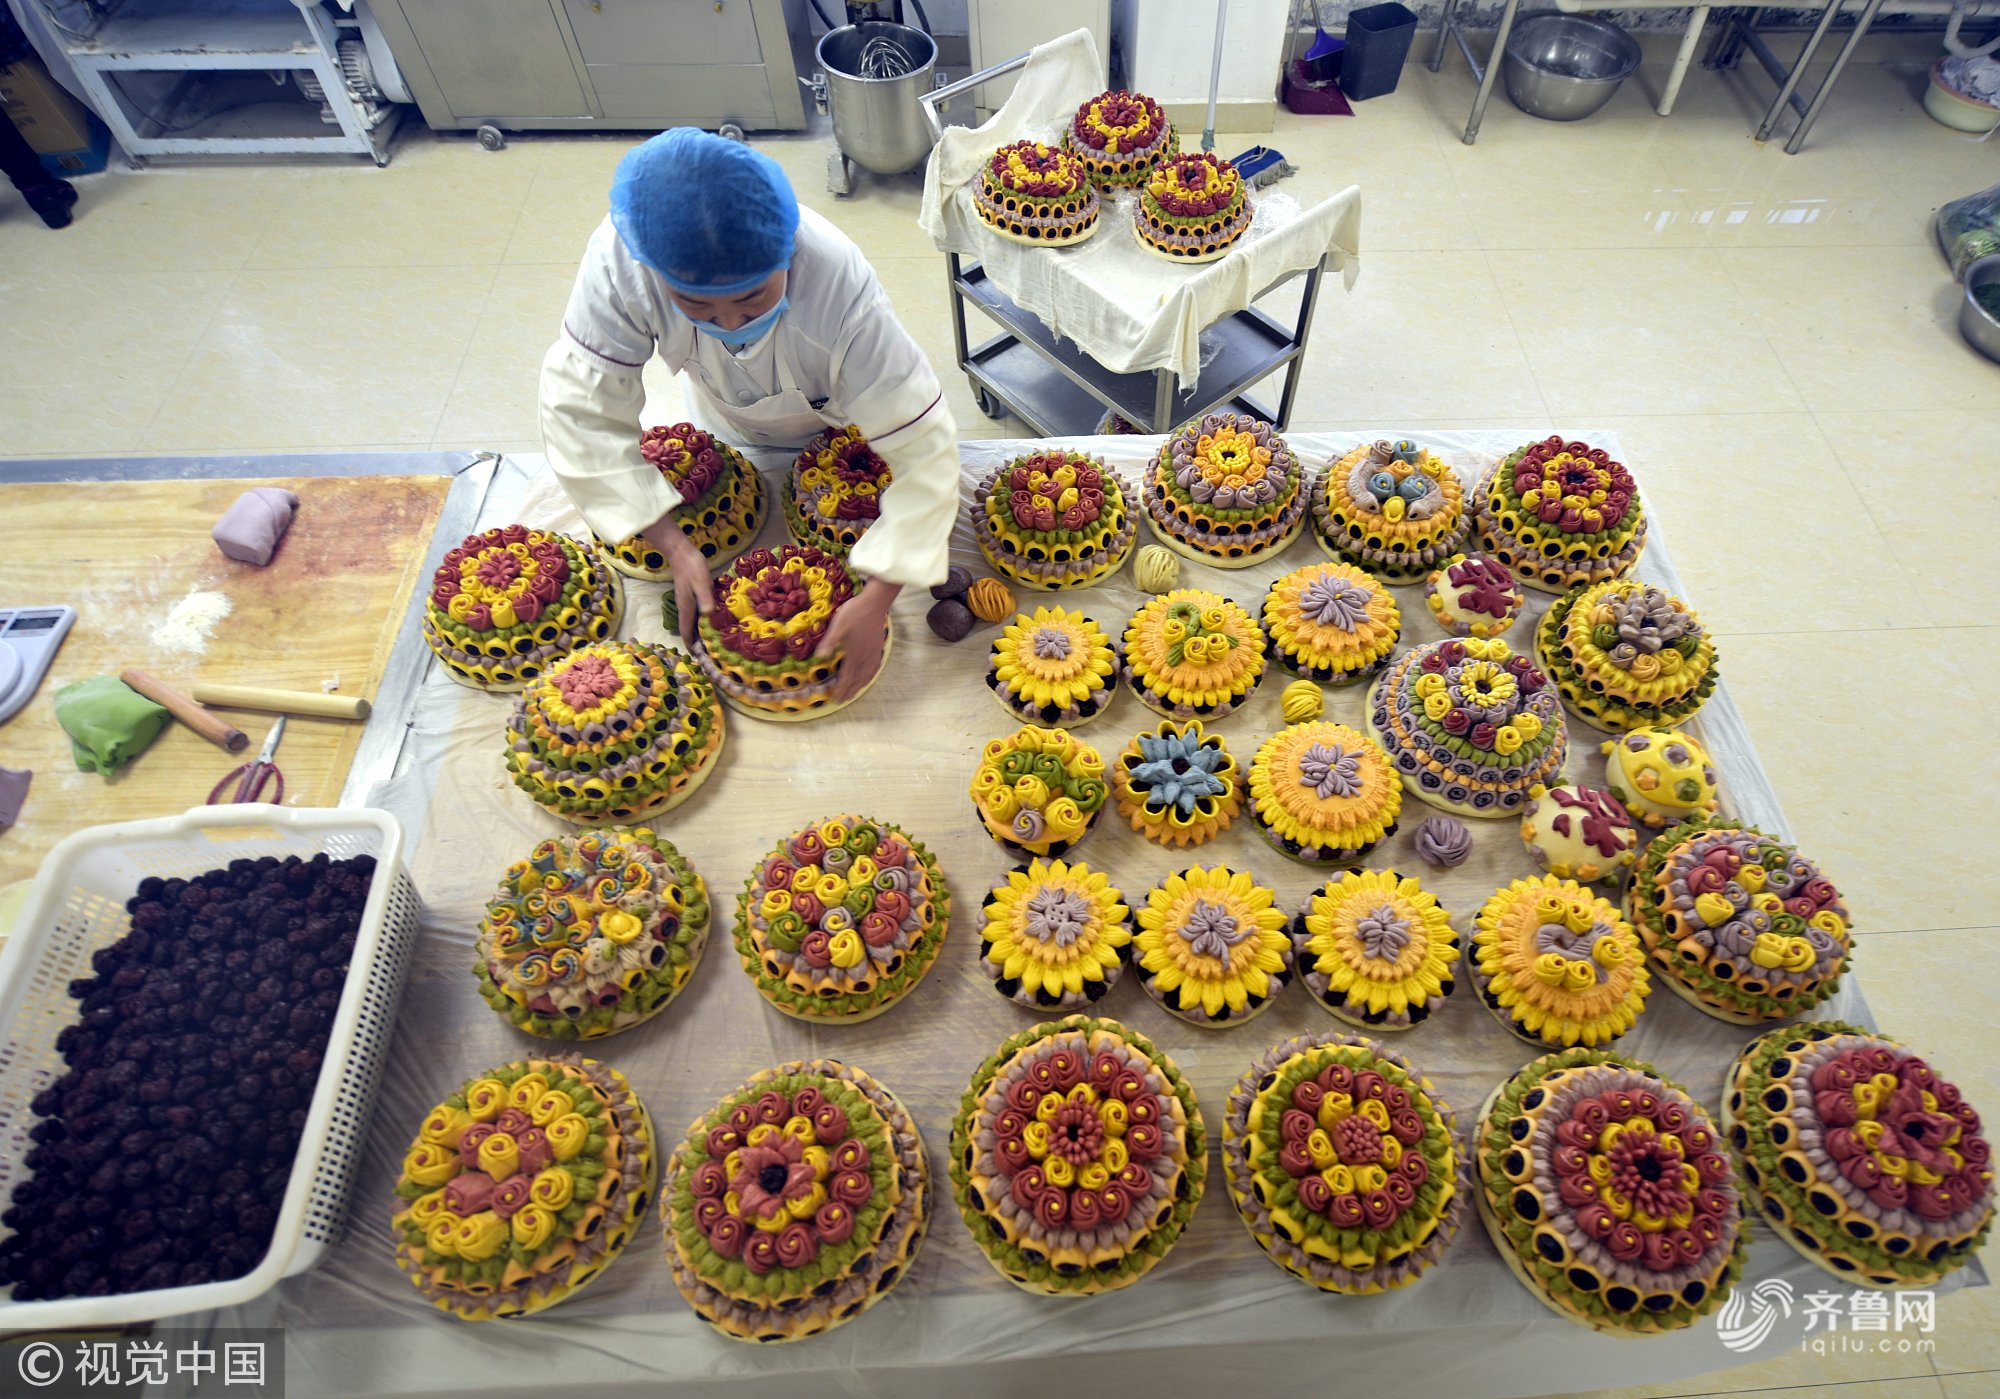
[(225, 65), (1061, 392)]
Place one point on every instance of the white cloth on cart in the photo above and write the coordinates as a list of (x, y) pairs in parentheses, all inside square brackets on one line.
[(1126, 308)]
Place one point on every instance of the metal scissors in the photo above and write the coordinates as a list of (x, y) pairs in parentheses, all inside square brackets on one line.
[(253, 777)]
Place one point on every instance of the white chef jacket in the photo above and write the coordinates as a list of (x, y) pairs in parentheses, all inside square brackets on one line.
[(836, 356)]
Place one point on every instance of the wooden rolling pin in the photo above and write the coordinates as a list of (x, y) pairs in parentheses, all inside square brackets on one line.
[(215, 730), (284, 701)]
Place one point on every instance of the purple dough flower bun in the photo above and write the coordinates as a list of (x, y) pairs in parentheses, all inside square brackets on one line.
[(1444, 842)]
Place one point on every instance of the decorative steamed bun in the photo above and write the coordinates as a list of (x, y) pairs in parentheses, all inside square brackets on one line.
[(1376, 949), (989, 600), (1192, 654), (1077, 1157), (1301, 702), (614, 733), (1609, 1194), (1472, 595), (1626, 655), (1556, 964), (507, 604), (1156, 569), (1226, 491), (1193, 207), (1053, 667), (522, 1186), (1342, 1160), (1056, 936), (592, 934), (795, 1203), (1120, 136), (835, 491), (1392, 508), (1443, 842), (842, 919), (722, 500), (1663, 776), (1324, 791), (1053, 520), (1738, 923), (1039, 791), (1177, 785), (772, 610), (1037, 194), (1578, 832), (1862, 1157), (1561, 513), (1471, 727), (1211, 946), (1331, 623)]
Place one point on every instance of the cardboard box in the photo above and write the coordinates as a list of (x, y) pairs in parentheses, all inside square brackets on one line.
[(84, 160), (58, 128), (52, 120)]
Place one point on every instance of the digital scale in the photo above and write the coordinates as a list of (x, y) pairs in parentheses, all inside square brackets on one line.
[(29, 639)]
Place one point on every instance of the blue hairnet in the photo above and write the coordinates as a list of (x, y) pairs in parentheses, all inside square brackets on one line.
[(711, 216)]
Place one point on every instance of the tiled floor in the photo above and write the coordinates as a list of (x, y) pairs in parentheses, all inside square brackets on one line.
[(1772, 338)]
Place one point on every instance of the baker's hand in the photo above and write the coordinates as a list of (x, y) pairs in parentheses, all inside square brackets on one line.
[(693, 597), (858, 632)]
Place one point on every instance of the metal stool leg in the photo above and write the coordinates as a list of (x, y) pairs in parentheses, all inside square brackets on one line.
[(1791, 82), (1444, 34), (1867, 17), (1492, 73), (1727, 44)]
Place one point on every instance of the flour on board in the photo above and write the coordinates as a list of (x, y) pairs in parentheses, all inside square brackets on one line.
[(189, 623)]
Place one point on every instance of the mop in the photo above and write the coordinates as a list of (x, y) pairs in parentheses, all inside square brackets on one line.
[(1260, 165)]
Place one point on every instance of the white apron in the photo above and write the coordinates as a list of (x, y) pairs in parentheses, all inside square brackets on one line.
[(769, 429)]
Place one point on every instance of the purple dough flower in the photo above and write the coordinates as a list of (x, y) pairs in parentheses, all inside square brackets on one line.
[(1331, 771)]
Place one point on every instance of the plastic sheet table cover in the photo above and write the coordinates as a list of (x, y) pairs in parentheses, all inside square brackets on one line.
[(1124, 307), (1216, 1314)]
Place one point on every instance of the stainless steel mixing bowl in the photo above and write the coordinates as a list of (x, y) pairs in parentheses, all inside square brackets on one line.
[(1975, 322), (1564, 67)]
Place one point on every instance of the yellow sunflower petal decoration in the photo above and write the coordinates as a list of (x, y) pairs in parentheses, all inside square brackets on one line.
[(1056, 936), (1557, 965), (1211, 946), (1053, 666), (1376, 949), (1323, 791), (1191, 654)]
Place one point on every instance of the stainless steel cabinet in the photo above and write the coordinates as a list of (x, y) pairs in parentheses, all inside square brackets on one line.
[(632, 64)]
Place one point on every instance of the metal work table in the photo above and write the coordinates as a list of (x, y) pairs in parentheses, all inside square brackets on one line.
[(1742, 33), (1488, 73), (1215, 1312), (1725, 50)]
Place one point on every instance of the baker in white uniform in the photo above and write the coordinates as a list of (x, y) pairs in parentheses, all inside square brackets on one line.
[(781, 329)]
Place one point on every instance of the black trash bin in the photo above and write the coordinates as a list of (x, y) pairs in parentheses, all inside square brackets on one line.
[(1378, 40)]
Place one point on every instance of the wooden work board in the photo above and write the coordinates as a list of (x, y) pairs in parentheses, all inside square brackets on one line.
[(125, 553)]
